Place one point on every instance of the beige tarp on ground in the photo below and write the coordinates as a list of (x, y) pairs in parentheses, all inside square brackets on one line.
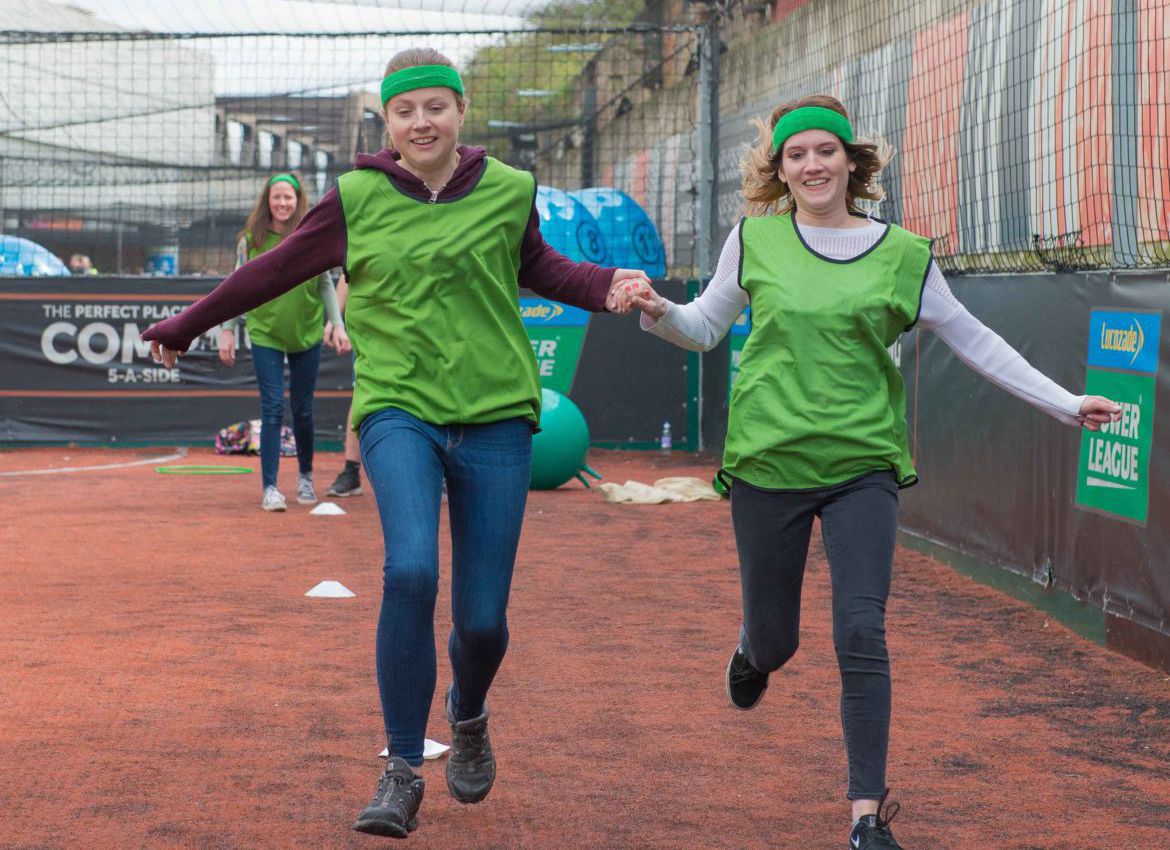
[(662, 491)]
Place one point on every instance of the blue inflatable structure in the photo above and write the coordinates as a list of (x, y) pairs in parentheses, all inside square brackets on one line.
[(25, 258), (630, 235), (568, 227)]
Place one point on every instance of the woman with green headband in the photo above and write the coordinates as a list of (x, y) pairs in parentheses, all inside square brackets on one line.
[(817, 422), (289, 327), (435, 239)]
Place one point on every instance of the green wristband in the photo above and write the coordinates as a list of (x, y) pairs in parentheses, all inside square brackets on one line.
[(421, 77), (810, 118)]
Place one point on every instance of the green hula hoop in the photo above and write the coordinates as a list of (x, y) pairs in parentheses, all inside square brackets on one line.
[(202, 469)]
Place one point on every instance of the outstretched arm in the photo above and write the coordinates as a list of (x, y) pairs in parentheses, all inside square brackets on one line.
[(700, 325), (989, 355), (317, 245)]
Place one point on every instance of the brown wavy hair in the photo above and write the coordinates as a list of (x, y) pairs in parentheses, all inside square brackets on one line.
[(260, 218), (764, 193)]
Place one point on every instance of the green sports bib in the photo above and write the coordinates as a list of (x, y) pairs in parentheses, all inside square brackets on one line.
[(294, 321), (819, 400), (433, 310)]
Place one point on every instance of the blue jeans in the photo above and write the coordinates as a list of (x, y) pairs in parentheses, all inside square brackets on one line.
[(487, 469), (302, 371)]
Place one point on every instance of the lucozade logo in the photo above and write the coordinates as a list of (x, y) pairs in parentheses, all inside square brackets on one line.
[(1124, 339), (1129, 340), (541, 311)]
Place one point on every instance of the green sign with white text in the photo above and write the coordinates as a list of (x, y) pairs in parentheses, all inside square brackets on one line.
[(1114, 466), (557, 332)]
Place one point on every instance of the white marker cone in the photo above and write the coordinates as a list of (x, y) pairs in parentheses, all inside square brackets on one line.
[(431, 750), (331, 590)]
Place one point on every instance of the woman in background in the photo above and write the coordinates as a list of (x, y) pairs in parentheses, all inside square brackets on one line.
[(290, 327)]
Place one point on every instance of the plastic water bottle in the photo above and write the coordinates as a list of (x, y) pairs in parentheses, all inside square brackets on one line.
[(665, 442)]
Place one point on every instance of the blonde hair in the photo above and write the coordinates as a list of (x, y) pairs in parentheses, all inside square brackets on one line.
[(260, 218), (764, 193)]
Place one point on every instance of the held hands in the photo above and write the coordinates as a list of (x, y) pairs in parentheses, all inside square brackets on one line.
[(642, 296), (1097, 411), (336, 338), (227, 347), (618, 299)]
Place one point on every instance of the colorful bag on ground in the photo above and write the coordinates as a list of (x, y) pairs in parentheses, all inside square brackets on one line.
[(243, 438), (233, 440)]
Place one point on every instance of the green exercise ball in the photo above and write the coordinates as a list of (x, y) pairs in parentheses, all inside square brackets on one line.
[(559, 448)]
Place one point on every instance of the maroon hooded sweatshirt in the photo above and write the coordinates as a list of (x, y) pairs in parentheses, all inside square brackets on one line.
[(318, 244)]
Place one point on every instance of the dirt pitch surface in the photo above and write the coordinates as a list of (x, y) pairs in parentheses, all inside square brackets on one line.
[(165, 683)]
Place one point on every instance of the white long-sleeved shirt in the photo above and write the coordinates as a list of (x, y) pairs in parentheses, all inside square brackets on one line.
[(700, 325)]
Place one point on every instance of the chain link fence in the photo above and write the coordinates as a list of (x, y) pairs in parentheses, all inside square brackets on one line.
[(1029, 134), (146, 150)]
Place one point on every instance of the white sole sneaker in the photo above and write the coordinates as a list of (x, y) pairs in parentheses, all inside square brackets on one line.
[(273, 501), (306, 495)]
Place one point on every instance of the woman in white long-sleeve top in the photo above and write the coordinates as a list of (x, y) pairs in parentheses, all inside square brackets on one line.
[(817, 423)]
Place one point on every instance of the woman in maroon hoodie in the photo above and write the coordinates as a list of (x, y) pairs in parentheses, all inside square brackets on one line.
[(435, 238)]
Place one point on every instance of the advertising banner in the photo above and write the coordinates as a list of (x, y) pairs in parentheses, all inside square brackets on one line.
[(75, 368), (1113, 476), (1083, 511), (557, 332)]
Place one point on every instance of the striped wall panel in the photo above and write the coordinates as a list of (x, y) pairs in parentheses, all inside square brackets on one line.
[(930, 144), (1153, 62)]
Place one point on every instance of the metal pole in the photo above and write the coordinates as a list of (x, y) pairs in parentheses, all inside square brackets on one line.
[(1125, 134), (707, 173), (119, 227), (589, 137), (708, 145)]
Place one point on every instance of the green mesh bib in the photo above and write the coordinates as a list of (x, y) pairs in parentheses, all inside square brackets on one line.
[(819, 400), (295, 321), (433, 310)]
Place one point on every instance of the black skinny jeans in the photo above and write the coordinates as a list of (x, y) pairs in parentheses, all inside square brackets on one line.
[(859, 522)]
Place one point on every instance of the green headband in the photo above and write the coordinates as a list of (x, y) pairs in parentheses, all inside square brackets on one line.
[(421, 77), (810, 118), (285, 178)]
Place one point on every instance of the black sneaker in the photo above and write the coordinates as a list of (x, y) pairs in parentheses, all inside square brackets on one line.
[(873, 831), (471, 766), (348, 483), (745, 684), (394, 810)]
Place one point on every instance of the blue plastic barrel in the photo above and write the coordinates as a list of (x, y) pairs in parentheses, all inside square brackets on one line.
[(568, 226), (633, 239), (25, 258)]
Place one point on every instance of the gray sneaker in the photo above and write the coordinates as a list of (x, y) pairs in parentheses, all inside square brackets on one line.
[(273, 500), (471, 766), (394, 810), (306, 492)]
